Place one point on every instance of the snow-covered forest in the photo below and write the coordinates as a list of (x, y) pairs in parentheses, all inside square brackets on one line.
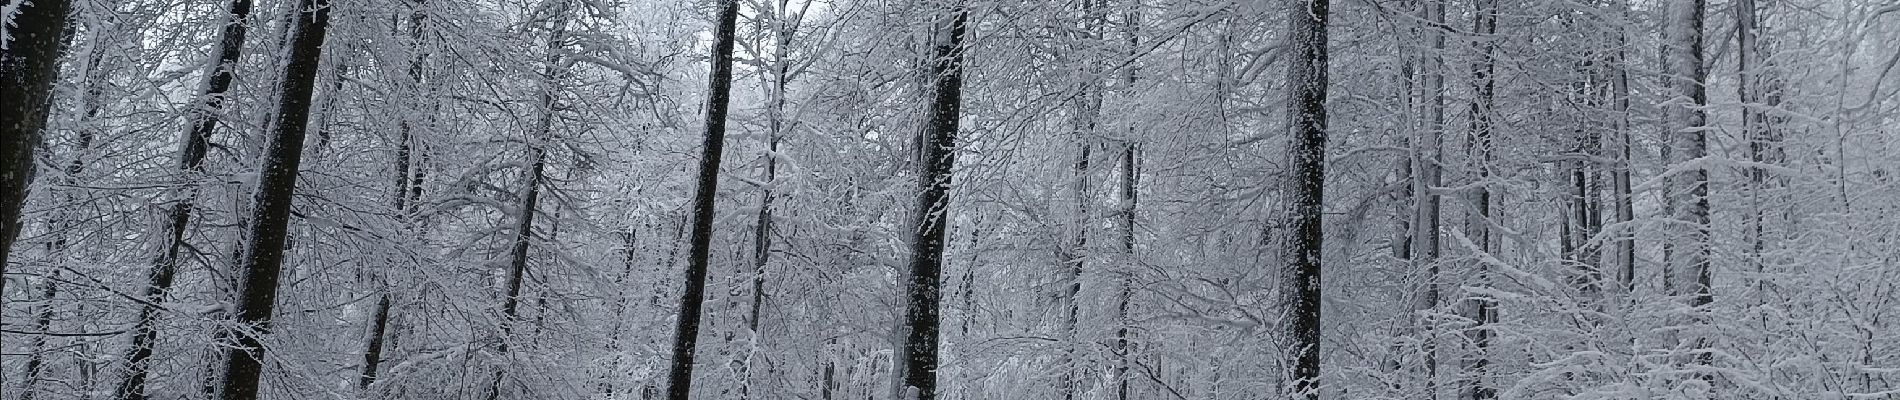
[(955, 199)]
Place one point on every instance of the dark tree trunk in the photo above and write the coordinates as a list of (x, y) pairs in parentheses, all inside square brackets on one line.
[(531, 195), (917, 377), (277, 180), (191, 156), (1479, 308), (1306, 122), (28, 68), (719, 92), (406, 183), (1625, 208)]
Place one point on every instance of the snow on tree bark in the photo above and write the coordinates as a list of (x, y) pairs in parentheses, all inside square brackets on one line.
[(29, 65), (917, 358), (1306, 124), (719, 92), (264, 242)]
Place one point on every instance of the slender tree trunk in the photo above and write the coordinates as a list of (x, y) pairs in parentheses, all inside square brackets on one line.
[(42, 323), (191, 157), (28, 68), (1074, 258), (719, 92), (1131, 166), (1757, 89), (402, 202), (1479, 308), (1428, 160), (1625, 207), (277, 180), (917, 375), (1306, 121), (1688, 263), (531, 196)]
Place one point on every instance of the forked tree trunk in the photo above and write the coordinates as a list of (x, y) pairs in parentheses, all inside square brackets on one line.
[(1306, 123), (916, 376), (277, 180), (692, 298)]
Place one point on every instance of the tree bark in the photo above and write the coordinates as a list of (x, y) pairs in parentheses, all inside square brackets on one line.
[(538, 140), (1479, 308), (277, 180), (28, 68), (1131, 167), (719, 92), (402, 200), (1086, 110), (1625, 207), (1306, 123), (191, 157), (1428, 165), (917, 376), (1688, 263)]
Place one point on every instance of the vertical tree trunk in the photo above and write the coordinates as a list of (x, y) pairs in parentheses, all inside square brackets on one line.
[(1480, 309), (1625, 207), (191, 157), (1074, 258), (917, 375), (1306, 123), (1756, 90), (1688, 263), (1428, 164), (719, 91), (28, 67), (1131, 166), (277, 180)]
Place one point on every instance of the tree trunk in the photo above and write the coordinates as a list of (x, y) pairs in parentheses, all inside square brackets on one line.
[(1306, 123), (1756, 88), (1688, 263), (191, 157), (719, 92), (1625, 207), (277, 180), (1428, 164), (1074, 257), (531, 196), (1131, 166), (1479, 308), (28, 68), (917, 376), (405, 185)]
